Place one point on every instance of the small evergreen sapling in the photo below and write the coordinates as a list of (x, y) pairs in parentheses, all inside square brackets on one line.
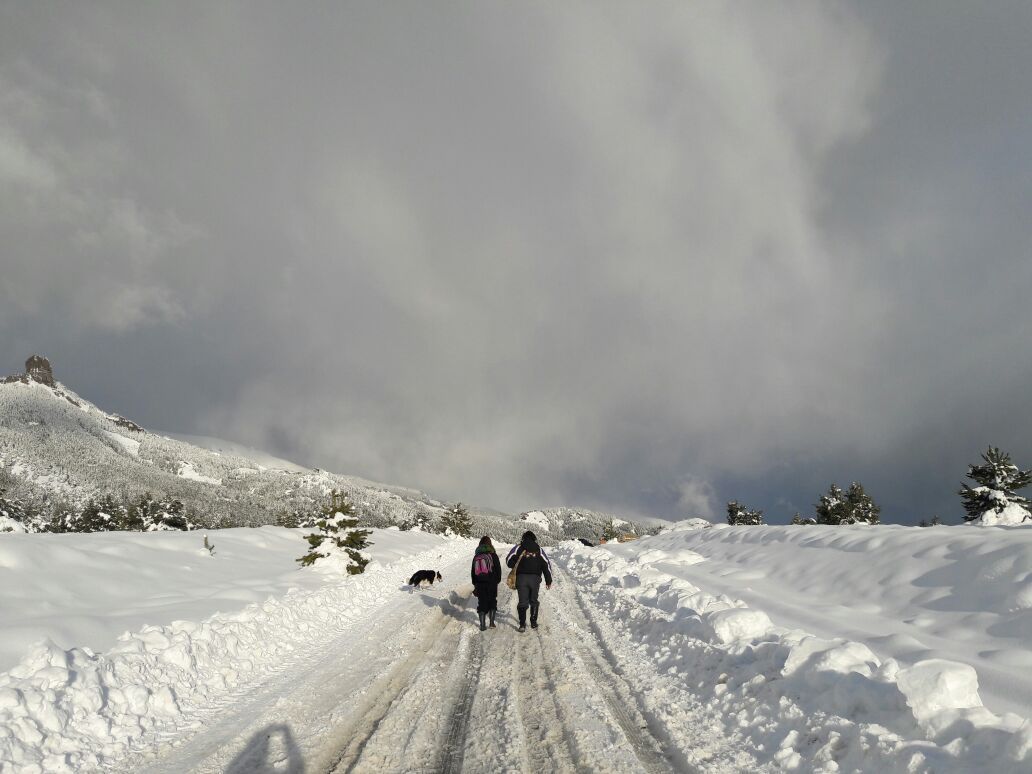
[(609, 531), (994, 500), (739, 515), (338, 534), (457, 519)]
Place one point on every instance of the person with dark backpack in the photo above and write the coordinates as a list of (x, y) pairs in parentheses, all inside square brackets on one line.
[(528, 562), (486, 574)]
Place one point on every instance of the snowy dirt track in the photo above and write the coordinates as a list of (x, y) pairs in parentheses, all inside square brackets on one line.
[(417, 687)]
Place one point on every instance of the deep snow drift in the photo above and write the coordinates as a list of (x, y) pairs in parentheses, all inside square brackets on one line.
[(732, 613)]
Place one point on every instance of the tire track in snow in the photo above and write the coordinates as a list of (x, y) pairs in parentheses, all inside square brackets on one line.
[(549, 743), (455, 737), (424, 698), (494, 739), (311, 693), (692, 734), (619, 698)]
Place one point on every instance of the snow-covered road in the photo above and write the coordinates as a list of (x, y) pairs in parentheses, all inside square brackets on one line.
[(415, 686)]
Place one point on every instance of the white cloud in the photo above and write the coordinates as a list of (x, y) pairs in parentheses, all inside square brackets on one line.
[(696, 498)]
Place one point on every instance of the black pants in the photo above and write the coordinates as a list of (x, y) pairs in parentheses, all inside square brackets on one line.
[(487, 596), (527, 588)]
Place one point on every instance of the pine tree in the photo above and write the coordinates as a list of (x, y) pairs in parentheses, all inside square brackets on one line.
[(739, 515), (338, 533), (799, 520), (288, 520), (998, 481), (860, 507), (609, 531), (832, 506), (457, 519), (852, 507), (95, 516), (422, 520), (13, 509), (172, 515), (137, 514)]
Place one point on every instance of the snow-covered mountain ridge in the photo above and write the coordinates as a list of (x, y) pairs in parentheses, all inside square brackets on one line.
[(57, 448)]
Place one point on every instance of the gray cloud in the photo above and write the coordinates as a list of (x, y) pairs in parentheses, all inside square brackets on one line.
[(639, 258)]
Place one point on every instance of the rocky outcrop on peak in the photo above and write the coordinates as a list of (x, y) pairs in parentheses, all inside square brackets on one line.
[(37, 369)]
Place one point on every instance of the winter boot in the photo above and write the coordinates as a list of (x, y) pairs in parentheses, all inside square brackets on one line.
[(533, 616), (523, 618), (482, 624), (491, 616)]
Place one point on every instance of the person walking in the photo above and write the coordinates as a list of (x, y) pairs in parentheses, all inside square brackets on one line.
[(530, 562), (486, 574)]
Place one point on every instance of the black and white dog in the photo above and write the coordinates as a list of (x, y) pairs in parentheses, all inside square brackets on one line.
[(424, 575)]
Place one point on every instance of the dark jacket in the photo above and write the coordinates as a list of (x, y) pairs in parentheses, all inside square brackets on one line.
[(496, 568), (532, 559)]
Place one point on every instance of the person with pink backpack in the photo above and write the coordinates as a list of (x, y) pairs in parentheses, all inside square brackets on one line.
[(486, 574)]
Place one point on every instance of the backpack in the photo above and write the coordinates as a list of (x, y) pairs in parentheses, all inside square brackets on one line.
[(482, 564)]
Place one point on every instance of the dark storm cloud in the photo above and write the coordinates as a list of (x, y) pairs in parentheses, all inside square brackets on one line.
[(639, 257)]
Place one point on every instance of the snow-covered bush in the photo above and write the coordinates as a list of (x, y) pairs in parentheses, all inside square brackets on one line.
[(338, 535), (739, 515), (994, 501)]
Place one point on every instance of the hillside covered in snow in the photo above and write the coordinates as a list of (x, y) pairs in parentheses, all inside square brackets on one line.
[(58, 450)]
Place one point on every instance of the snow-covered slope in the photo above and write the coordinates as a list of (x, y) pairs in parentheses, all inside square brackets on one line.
[(583, 523), (57, 448), (837, 648), (55, 445)]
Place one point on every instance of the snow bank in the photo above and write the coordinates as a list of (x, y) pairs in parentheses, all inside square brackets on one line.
[(1005, 514), (84, 590), (72, 709), (809, 703), (911, 594)]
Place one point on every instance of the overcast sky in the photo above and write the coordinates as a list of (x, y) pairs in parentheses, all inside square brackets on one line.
[(644, 257)]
